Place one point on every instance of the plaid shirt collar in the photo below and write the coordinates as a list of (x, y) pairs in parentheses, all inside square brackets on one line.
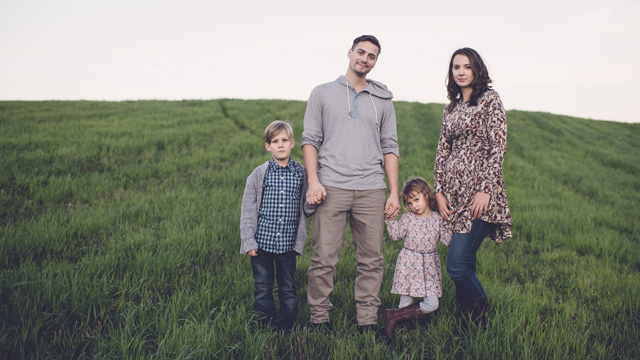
[(273, 165)]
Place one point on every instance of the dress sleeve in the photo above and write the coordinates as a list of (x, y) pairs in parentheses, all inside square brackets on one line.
[(397, 229), (496, 122), (442, 154)]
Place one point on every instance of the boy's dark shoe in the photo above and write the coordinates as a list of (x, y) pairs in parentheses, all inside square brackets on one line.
[(267, 323), (286, 331)]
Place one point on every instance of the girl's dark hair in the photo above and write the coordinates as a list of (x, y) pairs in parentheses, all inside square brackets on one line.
[(418, 184), (481, 79)]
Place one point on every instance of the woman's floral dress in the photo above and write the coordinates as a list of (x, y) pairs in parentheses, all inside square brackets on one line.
[(418, 272), (473, 141)]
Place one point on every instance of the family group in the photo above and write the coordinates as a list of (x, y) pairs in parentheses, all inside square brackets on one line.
[(349, 144)]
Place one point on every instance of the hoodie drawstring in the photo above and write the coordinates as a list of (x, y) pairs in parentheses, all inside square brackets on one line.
[(348, 100), (376, 110)]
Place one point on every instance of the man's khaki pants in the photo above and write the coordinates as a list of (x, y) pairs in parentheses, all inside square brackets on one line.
[(365, 211)]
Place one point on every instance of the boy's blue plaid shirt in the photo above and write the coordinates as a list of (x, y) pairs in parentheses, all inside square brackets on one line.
[(278, 221)]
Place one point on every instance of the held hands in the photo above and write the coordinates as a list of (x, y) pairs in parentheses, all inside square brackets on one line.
[(443, 206), (253, 252), (316, 193), (479, 204), (392, 207)]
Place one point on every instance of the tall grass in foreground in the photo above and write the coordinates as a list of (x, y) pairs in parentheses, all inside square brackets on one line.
[(119, 238)]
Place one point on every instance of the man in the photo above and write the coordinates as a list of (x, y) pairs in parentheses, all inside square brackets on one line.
[(349, 142)]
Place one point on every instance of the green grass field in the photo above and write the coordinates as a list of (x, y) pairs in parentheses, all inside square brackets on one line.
[(119, 238)]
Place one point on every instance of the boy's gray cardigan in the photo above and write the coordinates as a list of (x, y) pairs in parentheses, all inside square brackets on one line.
[(251, 201)]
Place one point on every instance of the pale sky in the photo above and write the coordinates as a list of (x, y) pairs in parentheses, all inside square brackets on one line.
[(577, 58)]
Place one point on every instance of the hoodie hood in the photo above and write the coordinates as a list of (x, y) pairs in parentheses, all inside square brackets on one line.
[(374, 88)]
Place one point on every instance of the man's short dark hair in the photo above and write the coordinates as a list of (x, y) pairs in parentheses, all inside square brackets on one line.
[(370, 38)]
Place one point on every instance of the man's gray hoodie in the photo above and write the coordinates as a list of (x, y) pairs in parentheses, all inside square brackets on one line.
[(352, 133)]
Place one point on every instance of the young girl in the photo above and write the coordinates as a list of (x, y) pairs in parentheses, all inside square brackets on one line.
[(418, 272)]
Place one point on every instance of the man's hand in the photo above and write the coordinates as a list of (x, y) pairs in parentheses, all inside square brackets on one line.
[(253, 252), (392, 207), (316, 193)]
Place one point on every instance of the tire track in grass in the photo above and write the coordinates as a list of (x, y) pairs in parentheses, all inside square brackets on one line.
[(239, 123)]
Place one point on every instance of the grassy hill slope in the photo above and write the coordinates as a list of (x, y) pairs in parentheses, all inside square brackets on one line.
[(119, 237)]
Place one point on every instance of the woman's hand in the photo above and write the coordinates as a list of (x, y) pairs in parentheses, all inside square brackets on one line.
[(479, 204), (443, 206), (253, 252)]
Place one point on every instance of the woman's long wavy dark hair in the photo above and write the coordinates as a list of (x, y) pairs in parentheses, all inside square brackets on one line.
[(481, 79)]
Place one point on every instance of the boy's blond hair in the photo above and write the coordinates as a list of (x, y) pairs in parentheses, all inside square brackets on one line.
[(275, 128)]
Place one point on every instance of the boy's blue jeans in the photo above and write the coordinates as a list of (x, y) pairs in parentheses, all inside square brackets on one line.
[(461, 262), (263, 266)]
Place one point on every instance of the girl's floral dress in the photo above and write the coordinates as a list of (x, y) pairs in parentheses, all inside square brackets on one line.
[(418, 271)]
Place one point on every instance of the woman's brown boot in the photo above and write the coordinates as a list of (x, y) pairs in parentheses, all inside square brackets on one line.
[(393, 317)]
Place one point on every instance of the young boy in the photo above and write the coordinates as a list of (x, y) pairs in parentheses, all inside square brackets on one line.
[(272, 225)]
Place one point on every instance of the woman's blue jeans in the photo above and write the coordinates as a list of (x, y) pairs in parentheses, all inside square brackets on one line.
[(461, 262), (263, 266)]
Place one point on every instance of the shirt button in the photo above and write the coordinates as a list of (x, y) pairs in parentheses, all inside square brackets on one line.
[(279, 219), (281, 191), (278, 234), (281, 205)]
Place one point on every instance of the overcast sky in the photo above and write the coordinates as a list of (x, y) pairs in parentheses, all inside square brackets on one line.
[(578, 58)]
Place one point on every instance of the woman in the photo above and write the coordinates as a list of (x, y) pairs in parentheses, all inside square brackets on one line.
[(468, 174)]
